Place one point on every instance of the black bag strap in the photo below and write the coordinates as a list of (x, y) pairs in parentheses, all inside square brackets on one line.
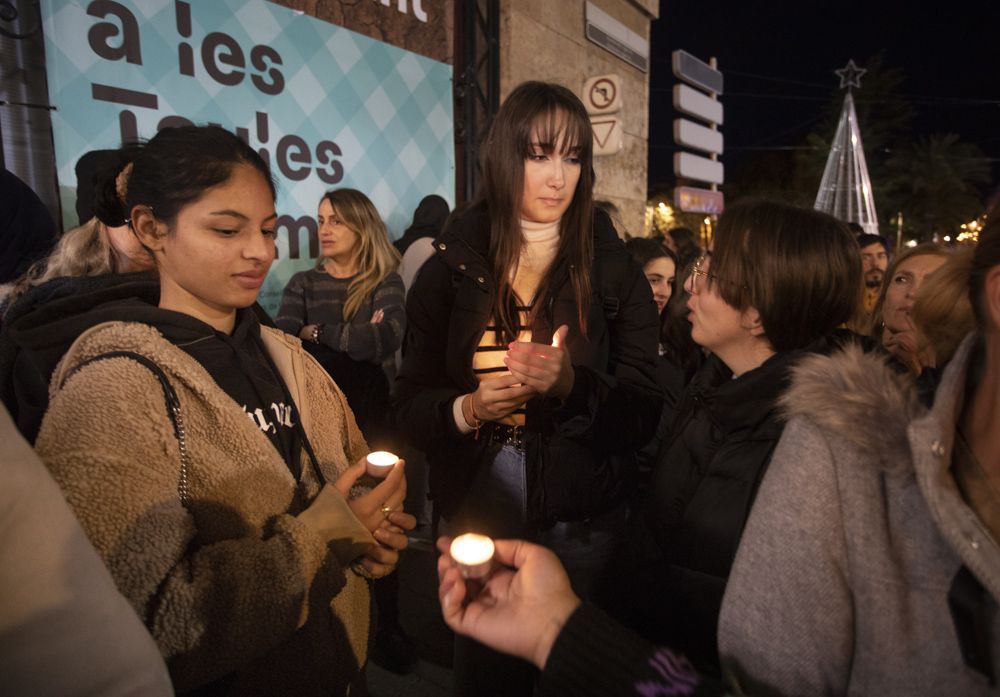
[(173, 410)]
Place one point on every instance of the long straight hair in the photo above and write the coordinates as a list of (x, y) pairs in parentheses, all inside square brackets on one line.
[(551, 116), (376, 256)]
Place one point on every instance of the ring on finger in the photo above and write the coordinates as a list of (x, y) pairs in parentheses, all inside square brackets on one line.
[(386, 510)]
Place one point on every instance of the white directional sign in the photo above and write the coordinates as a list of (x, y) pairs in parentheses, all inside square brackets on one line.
[(692, 135), (698, 168), (694, 103)]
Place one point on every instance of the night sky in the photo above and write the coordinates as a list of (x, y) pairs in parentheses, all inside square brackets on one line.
[(778, 58)]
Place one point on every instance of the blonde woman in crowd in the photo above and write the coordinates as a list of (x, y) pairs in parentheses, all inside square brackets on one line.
[(349, 310), (892, 319)]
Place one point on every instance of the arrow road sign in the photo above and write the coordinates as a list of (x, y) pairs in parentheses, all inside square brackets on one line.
[(602, 95)]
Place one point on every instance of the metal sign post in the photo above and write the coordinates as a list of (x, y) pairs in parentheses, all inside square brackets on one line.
[(691, 134)]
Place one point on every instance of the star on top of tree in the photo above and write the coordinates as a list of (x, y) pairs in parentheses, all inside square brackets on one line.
[(850, 75)]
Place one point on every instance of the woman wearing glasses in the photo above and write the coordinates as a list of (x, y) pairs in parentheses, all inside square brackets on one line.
[(776, 282)]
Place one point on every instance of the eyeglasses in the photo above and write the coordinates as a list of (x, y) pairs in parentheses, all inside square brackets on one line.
[(698, 269)]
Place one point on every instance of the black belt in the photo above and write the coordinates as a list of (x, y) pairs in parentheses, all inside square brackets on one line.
[(507, 435)]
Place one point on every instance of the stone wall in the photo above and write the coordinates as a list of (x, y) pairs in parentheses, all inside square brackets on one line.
[(545, 40)]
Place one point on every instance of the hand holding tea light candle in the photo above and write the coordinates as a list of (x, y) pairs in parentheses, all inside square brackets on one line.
[(474, 555), (545, 368), (379, 463)]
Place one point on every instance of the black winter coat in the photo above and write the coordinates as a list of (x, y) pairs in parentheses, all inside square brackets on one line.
[(669, 579), (580, 453)]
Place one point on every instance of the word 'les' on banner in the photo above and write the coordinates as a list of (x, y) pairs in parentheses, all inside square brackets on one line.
[(325, 106)]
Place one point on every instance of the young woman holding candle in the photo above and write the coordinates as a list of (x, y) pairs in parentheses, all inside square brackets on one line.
[(210, 460), (349, 310), (528, 376)]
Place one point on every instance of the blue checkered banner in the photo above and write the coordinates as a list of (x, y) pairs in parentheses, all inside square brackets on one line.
[(326, 106)]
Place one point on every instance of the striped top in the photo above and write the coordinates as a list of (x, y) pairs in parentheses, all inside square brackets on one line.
[(541, 241), (316, 297)]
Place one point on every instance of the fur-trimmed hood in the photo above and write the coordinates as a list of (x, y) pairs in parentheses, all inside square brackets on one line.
[(858, 396)]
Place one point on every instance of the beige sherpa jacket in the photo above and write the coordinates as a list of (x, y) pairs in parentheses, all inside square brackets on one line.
[(233, 584)]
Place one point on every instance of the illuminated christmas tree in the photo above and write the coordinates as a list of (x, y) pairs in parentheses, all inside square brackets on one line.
[(846, 189)]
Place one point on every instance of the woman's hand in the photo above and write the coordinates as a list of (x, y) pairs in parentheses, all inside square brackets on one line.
[(380, 559), (546, 369), (306, 333), (519, 610), (377, 317), (324, 514), (498, 397), (367, 508)]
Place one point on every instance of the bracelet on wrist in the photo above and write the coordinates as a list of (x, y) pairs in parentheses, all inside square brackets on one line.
[(316, 333), (469, 412)]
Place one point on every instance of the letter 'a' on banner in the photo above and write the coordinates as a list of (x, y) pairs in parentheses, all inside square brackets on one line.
[(325, 106)]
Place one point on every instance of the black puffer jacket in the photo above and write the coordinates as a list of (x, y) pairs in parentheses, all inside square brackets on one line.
[(680, 550), (669, 578), (580, 453)]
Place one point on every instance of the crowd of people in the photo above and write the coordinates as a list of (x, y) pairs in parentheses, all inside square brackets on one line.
[(765, 466)]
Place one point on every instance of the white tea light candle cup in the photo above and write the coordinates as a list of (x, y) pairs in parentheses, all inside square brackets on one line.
[(473, 553), (379, 463)]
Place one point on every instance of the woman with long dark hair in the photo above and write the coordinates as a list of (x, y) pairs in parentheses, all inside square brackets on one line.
[(769, 293), (528, 375)]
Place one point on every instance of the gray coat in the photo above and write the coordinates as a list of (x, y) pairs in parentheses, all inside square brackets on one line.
[(841, 582)]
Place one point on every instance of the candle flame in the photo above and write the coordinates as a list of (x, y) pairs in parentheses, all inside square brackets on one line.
[(382, 458), (471, 549)]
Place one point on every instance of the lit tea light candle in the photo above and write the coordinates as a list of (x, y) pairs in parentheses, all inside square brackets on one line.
[(474, 554), (380, 463)]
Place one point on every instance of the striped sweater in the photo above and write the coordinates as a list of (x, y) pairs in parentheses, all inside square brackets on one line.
[(541, 241), (316, 297)]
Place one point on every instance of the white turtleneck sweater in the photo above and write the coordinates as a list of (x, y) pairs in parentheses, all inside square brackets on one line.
[(540, 243)]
